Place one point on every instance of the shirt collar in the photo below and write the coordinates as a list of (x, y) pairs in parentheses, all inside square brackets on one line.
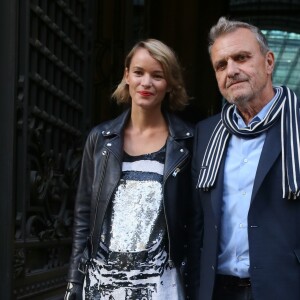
[(257, 118)]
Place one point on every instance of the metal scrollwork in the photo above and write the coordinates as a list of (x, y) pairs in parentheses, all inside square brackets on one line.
[(53, 181)]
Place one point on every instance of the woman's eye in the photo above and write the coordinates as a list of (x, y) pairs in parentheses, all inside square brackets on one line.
[(158, 76)]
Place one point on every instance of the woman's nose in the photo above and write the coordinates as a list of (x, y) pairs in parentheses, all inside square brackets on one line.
[(146, 81)]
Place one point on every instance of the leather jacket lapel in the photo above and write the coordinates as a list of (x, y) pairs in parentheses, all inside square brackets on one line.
[(176, 152), (175, 157)]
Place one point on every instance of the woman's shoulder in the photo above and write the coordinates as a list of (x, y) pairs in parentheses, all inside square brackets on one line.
[(177, 123), (112, 126)]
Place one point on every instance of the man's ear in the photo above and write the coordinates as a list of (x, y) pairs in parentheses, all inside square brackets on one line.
[(270, 61)]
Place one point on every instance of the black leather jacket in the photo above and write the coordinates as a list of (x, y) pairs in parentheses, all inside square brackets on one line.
[(100, 174)]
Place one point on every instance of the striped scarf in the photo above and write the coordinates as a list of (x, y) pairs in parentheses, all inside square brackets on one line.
[(285, 105)]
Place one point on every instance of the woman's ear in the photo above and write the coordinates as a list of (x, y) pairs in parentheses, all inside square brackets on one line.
[(126, 74)]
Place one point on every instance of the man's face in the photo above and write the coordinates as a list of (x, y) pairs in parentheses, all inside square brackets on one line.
[(243, 73)]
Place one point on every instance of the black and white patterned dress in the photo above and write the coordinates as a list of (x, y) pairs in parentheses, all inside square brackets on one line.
[(133, 262)]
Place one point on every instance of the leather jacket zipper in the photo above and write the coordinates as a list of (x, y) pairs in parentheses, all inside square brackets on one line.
[(177, 170), (174, 173), (106, 154)]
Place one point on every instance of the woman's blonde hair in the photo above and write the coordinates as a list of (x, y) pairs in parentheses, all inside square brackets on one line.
[(176, 98)]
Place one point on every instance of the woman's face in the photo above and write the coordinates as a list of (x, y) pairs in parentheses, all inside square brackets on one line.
[(146, 80)]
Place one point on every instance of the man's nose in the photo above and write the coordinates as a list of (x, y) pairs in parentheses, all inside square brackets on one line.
[(232, 68)]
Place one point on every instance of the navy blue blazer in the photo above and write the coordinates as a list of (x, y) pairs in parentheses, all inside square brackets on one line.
[(273, 225)]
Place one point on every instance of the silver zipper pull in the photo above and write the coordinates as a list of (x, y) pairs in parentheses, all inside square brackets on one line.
[(176, 171), (170, 263)]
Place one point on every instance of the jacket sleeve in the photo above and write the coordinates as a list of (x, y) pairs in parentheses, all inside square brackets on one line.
[(195, 229), (81, 226)]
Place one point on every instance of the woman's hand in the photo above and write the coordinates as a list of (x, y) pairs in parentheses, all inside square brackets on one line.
[(74, 291)]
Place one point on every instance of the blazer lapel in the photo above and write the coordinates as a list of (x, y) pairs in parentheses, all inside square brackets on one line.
[(270, 152), (217, 192)]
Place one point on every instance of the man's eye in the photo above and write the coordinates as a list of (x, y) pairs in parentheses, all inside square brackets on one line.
[(242, 58), (221, 67)]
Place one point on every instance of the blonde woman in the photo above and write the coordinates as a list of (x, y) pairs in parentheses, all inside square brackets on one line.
[(133, 194)]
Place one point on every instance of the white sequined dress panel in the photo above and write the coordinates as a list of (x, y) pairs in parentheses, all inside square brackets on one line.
[(137, 208)]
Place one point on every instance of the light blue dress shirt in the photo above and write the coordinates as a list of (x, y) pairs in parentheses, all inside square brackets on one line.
[(240, 168)]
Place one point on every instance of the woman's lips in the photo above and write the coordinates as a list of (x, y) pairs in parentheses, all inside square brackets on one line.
[(145, 93)]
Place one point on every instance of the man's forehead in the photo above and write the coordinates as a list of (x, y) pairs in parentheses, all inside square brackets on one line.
[(234, 43)]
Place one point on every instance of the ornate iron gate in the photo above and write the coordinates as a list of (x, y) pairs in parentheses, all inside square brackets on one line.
[(54, 47), (48, 88)]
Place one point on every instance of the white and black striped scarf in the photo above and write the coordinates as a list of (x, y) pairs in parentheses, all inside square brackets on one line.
[(285, 105)]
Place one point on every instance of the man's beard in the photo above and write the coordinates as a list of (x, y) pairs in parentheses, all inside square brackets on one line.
[(239, 100), (242, 96)]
